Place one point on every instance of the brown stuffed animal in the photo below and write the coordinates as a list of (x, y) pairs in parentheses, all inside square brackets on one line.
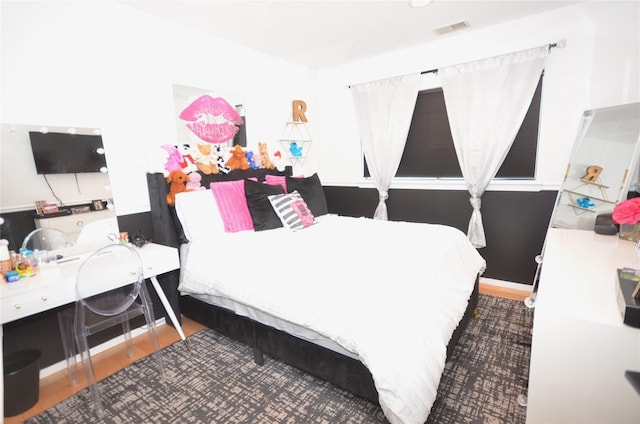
[(178, 180), (264, 154), (238, 160)]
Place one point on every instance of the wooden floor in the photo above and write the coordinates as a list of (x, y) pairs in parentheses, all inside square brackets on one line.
[(56, 388)]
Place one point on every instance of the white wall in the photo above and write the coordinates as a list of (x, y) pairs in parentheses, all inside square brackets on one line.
[(110, 66), (598, 67)]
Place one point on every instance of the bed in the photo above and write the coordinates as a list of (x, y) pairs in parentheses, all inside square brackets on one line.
[(374, 307)]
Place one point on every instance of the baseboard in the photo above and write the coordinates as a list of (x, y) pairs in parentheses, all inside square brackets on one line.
[(506, 284)]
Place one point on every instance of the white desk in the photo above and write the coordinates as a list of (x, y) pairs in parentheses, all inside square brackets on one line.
[(580, 347), (53, 288)]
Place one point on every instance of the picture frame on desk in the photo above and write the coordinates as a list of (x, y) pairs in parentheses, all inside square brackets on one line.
[(39, 205), (50, 208), (97, 205)]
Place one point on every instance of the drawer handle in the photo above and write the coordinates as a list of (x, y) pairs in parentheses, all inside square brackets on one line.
[(80, 223), (17, 306), (44, 298)]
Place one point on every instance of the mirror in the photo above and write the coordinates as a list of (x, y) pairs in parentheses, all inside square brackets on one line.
[(603, 163), (70, 197)]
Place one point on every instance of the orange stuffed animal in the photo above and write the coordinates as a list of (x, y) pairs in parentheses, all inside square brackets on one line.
[(178, 180), (238, 160)]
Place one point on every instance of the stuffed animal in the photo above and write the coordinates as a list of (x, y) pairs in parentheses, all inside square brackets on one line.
[(194, 182), (206, 158), (221, 161), (238, 160), (179, 157), (266, 160), (250, 157), (177, 180), (188, 164), (257, 159), (174, 158)]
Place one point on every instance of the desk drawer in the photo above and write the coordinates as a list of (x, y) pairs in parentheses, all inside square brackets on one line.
[(14, 308)]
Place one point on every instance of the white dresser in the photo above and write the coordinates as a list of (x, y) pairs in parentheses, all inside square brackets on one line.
[(581, 348)]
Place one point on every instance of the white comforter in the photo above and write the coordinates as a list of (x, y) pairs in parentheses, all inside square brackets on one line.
[(391, 292)]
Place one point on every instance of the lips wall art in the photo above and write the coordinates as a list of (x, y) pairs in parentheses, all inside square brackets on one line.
[(212, 119)]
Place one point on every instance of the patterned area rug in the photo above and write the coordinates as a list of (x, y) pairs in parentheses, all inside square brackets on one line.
[(219, 383)]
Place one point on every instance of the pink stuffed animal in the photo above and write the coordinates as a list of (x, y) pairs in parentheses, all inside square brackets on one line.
[(194, 182)]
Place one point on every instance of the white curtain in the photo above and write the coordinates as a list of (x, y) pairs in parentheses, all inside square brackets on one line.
[(383, 111), (486, 103)]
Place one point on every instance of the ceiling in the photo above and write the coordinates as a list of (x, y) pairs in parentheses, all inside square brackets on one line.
[(320, 34)]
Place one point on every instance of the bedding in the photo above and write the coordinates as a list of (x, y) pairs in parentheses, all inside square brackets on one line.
[(365, 285)]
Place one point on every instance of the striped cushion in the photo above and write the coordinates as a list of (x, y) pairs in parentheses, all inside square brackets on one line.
[(292, 210)]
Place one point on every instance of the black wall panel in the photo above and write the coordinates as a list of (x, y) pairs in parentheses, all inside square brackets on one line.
[(515, 222)]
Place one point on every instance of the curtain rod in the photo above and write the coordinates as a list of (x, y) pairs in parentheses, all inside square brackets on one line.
[(559, 44)]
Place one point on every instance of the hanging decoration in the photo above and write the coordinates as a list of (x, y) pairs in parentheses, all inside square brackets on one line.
[(212, 119)]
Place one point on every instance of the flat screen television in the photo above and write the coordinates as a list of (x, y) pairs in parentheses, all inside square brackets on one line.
[(63, 153)]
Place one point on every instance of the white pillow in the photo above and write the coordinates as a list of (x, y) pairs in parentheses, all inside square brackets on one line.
[(198, 214)]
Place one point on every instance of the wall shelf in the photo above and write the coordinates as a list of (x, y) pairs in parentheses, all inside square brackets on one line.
[(298, 133)]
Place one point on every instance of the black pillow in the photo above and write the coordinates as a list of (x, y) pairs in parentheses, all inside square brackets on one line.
[(311, 191), (260, 209)]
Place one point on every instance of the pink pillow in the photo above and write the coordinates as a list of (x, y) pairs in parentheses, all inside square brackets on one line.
[(278, 180), (232, 205)]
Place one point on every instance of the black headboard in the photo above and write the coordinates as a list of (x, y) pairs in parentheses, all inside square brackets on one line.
[(166, 226)]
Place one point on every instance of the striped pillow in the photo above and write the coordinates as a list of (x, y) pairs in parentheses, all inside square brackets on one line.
[(292, 210)]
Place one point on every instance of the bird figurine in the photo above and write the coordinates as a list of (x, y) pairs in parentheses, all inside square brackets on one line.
[(295, 149)]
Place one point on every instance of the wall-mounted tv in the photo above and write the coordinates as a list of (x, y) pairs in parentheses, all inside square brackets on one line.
[(63, 153)]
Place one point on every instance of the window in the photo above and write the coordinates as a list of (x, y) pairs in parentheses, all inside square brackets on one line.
[(429, 151)]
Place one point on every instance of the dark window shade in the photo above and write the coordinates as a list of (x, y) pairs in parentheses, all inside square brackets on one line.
[(429, 151)]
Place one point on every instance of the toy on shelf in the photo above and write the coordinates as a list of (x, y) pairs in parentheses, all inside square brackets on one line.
[(295, 149)]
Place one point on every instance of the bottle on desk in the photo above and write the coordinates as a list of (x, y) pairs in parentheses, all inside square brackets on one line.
[(26, 265), (5, 258)]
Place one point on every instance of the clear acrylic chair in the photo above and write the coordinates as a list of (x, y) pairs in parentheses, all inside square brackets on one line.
[(118, 269), (99, 233), (49, 239)]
